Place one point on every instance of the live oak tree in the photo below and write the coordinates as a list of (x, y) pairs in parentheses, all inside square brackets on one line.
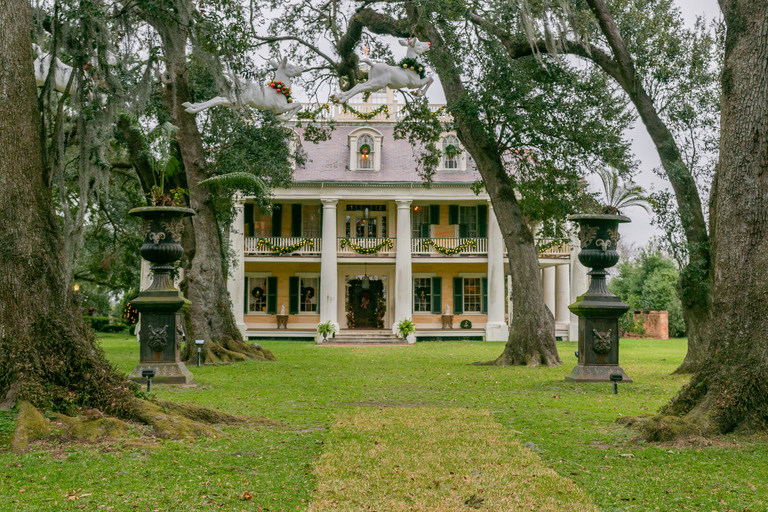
[(47, 355), (515, 119)]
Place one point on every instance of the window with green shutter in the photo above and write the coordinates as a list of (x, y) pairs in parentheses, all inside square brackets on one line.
[(277, 220), (272, 295), (458, 295), (437, 295), (485, 295), (482, 220), (453, 214), (293, 295), (248, 213), (434, 214), (296, 219)]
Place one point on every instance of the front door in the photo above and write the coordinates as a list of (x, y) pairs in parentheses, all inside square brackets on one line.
[(366, 307)]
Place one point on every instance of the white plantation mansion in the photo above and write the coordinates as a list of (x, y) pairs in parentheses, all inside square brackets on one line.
[(359, 241)]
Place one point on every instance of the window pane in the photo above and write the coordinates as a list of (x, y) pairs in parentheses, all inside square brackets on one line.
[(422, 294), (365, 152), (257, 296), (262, 223), (419, 218), (473, 295), (309, 290), (468, 219), (451, 152), (310, 221)]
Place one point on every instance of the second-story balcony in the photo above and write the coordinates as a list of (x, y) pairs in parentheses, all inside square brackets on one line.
[(387, 247)]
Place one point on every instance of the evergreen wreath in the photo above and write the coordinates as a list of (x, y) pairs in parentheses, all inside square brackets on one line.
[(344, 242), (282, 89), (450, 251), (365, 149), (413, 65)]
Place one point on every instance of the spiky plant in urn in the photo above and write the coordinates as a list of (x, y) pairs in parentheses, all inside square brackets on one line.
[(598, 309), (162, 305)]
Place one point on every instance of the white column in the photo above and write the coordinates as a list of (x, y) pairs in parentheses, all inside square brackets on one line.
[(329, 272), (495, 327), (403, 274), (562, 298), (236, 277), (548, 285), (578, 285)]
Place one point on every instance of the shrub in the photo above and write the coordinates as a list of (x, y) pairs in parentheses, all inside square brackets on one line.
[(114, 328), (97, 322)]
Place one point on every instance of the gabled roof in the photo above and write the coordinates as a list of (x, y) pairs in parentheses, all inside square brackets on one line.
[(328, 161)]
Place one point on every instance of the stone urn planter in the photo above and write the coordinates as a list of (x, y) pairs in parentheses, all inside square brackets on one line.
[(598, 309), (161, 305)]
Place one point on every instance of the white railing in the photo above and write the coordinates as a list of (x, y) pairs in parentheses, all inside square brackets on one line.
[(551, 248), (267, 248), (344, 248), (426, 246)]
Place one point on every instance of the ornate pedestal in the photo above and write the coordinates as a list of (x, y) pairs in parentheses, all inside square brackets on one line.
[(598, 309), (282, 321), (161, 305), (447, 321)]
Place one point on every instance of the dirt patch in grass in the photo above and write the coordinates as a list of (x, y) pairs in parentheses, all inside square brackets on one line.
[(434, 459)]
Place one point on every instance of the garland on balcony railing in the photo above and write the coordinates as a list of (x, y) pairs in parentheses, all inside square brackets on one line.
[(362, 115), (552, 243), (450, 251), (283, 249), (344, 242), (313, 114)]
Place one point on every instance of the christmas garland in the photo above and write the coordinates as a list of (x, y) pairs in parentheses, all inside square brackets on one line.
[(365, 250), (278, 249), (369, 115), (552, 243), (413, 65), (450, 251), (313, 115), (282, 89)]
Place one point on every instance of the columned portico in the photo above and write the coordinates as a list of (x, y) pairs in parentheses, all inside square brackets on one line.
[(403, 274), (328, 268), (548, 287), (495, 328), (236, 281)]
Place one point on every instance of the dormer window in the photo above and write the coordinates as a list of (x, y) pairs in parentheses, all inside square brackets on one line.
[(451, 153), (365, 152)]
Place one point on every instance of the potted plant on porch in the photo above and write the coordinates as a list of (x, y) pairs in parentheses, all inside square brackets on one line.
[(325, 329), (406, 328)]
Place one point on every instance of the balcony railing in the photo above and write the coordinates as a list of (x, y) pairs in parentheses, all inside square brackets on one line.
[(449, 247), (553, 247), (279, 245), (366, 247)]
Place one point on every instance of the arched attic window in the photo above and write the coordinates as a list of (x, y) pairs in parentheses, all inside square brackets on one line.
[(365, 152), (451, 153)]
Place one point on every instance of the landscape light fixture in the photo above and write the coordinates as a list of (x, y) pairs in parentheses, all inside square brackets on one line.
[(199, 344), (616, 378), (76, 287), (148, 374)]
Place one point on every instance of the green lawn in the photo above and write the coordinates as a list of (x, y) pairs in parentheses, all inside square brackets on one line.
[(309, 386)]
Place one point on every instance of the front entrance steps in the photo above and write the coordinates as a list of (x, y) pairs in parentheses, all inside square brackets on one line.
[(365, 337)]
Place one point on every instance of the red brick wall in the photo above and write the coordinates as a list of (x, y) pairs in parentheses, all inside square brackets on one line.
[(655, 323)]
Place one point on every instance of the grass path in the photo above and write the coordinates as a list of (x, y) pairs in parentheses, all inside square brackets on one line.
[(434, 460)]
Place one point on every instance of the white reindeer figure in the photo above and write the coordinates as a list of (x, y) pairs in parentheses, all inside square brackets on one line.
[(256, 95), (62, 74), (394, 77)]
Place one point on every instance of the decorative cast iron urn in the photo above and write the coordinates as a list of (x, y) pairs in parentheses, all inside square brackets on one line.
[(598, 309), (161, 305)]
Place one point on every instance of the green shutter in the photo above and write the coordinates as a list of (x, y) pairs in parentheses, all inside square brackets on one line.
[(248, 219), (463, 231), (424, 230), (245, 302), (272, 295), (453, 214), (277, 220), (293, 295), (319, 302), (295, 220), (434, 214), (437, 295), (482, 221), (458, 295), (484, 282)]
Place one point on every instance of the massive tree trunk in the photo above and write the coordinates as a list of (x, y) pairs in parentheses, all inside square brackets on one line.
[(47, 354), (730, 391), (694, 278), (211, 316), (532, 337)]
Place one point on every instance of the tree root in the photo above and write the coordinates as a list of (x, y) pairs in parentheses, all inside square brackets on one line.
[(228, 350), (533, 359), (30, 425)]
